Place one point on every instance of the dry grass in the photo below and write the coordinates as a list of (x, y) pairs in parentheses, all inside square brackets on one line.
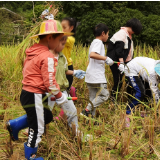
[(111, 140)]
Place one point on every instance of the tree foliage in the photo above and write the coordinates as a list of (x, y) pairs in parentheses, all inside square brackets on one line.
[(89, 13), (115, 14)]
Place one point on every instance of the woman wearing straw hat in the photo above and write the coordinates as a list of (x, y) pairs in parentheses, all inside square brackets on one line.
[(38, 78)]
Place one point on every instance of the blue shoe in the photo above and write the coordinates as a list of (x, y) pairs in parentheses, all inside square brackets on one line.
[(31, 151), (15, 125)]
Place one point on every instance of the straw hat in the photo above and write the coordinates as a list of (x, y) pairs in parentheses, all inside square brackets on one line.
[(51, 27)]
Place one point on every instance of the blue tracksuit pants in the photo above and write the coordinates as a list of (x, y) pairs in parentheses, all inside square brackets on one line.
[(139, 89)]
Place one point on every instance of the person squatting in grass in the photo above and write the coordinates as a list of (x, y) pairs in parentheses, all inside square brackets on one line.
[(38, 78), (141, 72), (95, 73), (120, 49)]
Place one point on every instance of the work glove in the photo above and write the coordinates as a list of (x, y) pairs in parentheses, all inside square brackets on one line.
[(63, 99), (121, 68), (109, 61), (79, 74)]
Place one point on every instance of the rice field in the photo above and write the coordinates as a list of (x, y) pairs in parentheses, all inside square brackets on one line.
[(111, 140)]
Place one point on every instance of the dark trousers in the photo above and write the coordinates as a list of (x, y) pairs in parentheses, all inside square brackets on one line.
[(117, 79), (38, 115), (70, 77), (141, 89)]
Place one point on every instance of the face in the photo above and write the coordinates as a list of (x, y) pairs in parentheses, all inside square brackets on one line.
[(105, 36), (130, 31), (66, 27), (53, 42), (61, 45)]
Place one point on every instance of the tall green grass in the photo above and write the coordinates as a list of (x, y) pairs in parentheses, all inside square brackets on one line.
[(111, 140)]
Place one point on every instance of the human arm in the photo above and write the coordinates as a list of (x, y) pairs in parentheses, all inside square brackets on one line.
[(97, 56), (77, 73), (153, 83), (48, 72), (69, 72)]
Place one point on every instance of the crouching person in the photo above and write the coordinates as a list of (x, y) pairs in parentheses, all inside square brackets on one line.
[(141, 72)]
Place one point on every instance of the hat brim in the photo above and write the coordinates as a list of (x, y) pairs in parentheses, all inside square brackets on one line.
[(65, 34), (157, 68)]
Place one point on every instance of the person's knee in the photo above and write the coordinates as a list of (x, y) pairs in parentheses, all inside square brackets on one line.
[(69, 109), (105, 94), (74, 111), (140, 94), (49, 117)]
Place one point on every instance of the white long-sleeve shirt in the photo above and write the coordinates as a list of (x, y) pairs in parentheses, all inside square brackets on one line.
[(144, 67)]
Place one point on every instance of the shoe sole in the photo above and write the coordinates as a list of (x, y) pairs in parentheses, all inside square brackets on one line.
[(10, 131)]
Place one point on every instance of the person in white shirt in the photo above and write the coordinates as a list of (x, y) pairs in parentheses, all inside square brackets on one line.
[(137, 71), (95, 73)]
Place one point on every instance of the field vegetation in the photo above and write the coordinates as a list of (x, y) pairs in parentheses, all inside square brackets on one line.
[(111, 140)]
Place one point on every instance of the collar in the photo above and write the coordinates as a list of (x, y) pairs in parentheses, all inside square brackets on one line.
[(129, 35), (60, 54)]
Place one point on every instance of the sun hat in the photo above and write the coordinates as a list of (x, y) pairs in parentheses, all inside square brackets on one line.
[(51, 27), (157, 68)]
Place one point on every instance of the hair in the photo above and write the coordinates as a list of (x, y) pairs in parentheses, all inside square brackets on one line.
[(135, 24), (72, 22), (99, 28), (53, 35)]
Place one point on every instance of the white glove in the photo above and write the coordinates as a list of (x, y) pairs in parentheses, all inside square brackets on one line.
[(109, 61), (79, 74), (63, 99), (121, 68)]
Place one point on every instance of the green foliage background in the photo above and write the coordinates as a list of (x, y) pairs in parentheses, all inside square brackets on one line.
[(89, 13), (115, 14)]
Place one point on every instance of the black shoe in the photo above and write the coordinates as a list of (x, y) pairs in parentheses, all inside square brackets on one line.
[(85, 113)]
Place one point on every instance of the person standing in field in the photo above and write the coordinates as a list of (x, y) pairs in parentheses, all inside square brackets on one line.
[(95, 73), (38, 79), (120, 49), (61, 72)]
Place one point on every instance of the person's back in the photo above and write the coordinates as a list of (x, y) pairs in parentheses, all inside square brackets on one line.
[(142, 66), (38, 63), (142, 77)]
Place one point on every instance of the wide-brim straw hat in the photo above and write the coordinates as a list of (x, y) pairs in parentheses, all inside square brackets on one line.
[(51, 27)]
